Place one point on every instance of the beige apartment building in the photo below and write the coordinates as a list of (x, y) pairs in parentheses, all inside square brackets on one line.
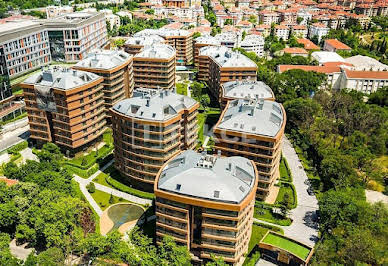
[(201, 42), (65, 107), (154, 67), (206, 203), (253, 129), (135, 44), (149, 129), (204, 60), (117, 70)]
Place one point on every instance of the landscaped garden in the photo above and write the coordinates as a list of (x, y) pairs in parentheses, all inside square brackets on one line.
[(267, 213), (287, 195), (124, 213), (181, 88), (104, 200), (285, 173)]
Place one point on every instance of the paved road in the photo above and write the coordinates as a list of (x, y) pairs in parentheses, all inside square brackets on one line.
[(14, 136), (83, 182), (304, 227)]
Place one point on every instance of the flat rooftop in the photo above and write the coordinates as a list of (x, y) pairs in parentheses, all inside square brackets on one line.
[(367, 63), (256, 117), (154, 105), (213, 50), (209, 177), (252, 40), (233, 59), (162, 51), (247, 89), (163, 32), (104, 59), (144, 40), (207, 39), (72, 19), (325, 57), (61, 78), (18, 28)]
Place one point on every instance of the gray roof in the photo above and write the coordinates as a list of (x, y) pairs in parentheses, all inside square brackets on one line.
[(210, 177), (104, 59), (162, 51), (154, 105), (247, 89), (61, 78), (207, 39), (233, 59), (71, 20), (252, 40), (259, 117), (144, 40), (361, 62), (163, 32), (229, 37), (18, 28), (213, 50)]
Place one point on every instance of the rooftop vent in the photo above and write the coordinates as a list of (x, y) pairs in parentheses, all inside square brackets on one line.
[(178, 187), (242, 189), (216, 194)]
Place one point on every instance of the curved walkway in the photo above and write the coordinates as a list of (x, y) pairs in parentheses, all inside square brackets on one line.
[(83, 182), (304, 227)]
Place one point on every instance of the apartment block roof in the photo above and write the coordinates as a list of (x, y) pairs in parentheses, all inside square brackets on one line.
[(61, 78), (324, 57), (209, 177), (163, 32), (213, 50), (337, 44), (207, 39), (257, 117), (252, 40), (295, 50), (154, 105), (228, 36), (17, 28), (233, 59), (162, 51), (319, 69), (353, 74), (247, 89), (362, 62), (73, 19), (144, 40), (308, 45), (104, 59)]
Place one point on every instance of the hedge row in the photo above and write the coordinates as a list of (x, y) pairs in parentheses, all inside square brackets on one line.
[(82, 173), (119, 186), (17, 148), (295, 203), (101, 154), (270, 227)]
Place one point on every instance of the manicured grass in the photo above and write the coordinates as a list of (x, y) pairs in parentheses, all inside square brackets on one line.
[(258, 233), (287, 244), (286, 188), (81, 172), (91, 157), (201, 122), (285, 173), (267, 216), (102, 199), (101, 179), (181, 88)]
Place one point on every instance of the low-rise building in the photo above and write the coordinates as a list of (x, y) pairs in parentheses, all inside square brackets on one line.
[(268, 17), (149, 129), (364, 81), (253, 43), (299, 31), (250, 89), (135, 44), (319, 30), (334, 45), (366, 63), (263, 29), (308, 45), (55, 11), (229, 66), (296, 51), (229, 39), (253, 129), (65, 107), (206, 203), (116, 67), (154, 67), (324, 57), (201, 42)]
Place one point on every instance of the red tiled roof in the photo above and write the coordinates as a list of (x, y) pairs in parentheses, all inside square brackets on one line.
[(295, 50), (9, 182), (319, 69), (281, 27), (366, 74), (299, 27), (337, 44), (319, 25), (308, 45)]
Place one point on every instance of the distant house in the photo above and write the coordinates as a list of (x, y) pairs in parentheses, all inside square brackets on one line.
[(294, 51), (308, 45), (334, 45)]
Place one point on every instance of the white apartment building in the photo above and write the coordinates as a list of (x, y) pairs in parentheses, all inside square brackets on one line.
[(318, 29), (363, 81), (299, 31), (55, 11), (74, 35), (229, 39), (268, 17), (282, 32), (253, 43), (306, 16), (24, 46), (114, 20)]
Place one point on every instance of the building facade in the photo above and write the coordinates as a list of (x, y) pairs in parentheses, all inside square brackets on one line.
[(74, 35), (204, 60), (149, 129), (253, 129), (201, 42), (253, 43), (65, 107), (116, 67), (206, 203), (154, 67)]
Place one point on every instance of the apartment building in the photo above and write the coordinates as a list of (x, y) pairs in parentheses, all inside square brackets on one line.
[(319, 30), (299, 31), (268, 17), (282, 32), (295, 51), (135, 44), (229, 66), (73, 36), (253, 43), (116, 67), (363, 81), (253, 129), (201, 42), (229, 39), (204, 60), (206, 203), (65, 107), (154, 67), (149, 129), (249, 89), (24, 47), (181, 40), (308, 45), (263, 29), (55, 11)]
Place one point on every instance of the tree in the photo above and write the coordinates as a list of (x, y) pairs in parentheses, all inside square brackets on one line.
[(380, 97), (150, 11), (299, 20), (205, 100), (196, 35), (216, 261), (119, 43), (228, 21), (51, 256), (171, 254), (111, 199), (8, 216)]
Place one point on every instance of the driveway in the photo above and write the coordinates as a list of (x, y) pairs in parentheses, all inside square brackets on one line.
[(304, 227)]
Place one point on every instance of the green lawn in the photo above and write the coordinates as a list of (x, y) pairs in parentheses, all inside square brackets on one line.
[(102, 199), (287, 244), (258, 233), (284, 171), (181, 88), (267, 216), (201, 122), (101, 179), (286, 188)]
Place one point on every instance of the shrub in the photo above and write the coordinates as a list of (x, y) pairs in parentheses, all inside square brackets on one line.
[(117, 185), (91, 187), (17, 148)]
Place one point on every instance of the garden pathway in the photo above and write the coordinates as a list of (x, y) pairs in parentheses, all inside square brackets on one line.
[(304, 227)]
